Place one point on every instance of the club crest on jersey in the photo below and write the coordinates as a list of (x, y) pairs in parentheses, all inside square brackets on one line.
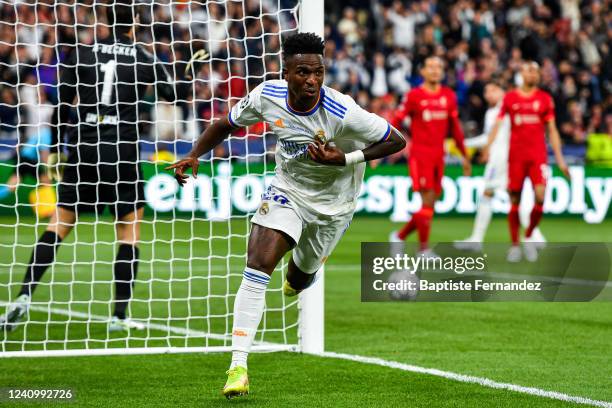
[(426, 115), (320, 136), (443, 101), (264, 208), (536, 105)]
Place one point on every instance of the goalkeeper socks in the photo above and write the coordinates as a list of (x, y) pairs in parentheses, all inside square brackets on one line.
[(424, 226), (126, 268), (248, 309), (482, 220), (514, 224), (42, 256), (536, 216)]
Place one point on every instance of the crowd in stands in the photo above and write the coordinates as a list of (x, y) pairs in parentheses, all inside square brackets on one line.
[(373, 51)]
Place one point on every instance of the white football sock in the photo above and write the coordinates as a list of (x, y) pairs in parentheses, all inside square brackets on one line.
[(248, 309), (525, 213), (483, 218)]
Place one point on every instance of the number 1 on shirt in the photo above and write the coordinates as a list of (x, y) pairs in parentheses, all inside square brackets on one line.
[(109, 77)]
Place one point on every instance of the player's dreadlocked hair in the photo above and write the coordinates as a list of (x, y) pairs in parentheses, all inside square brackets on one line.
[(303, 43)]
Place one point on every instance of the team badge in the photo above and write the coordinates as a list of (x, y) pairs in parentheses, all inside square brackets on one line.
[(320, 136), (426, 115), (536, 105), (443, 101), (264, 209)]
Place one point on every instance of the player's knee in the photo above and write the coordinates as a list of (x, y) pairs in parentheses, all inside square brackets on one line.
[(429, 198), (488, 193), (261, 264), (540, 194), (515, 196), (61, 223), (128, 233)]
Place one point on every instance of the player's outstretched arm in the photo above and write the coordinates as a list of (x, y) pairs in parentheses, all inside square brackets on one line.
[(555, 143), (332, 155), (212, 136)]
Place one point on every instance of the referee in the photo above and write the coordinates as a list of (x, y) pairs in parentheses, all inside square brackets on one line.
[(107, 80)]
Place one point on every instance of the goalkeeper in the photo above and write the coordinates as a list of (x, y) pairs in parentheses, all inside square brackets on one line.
[(107, 80), (324, 138)]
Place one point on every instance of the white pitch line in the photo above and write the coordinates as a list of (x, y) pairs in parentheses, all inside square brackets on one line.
[(485, 382), (148, 325)]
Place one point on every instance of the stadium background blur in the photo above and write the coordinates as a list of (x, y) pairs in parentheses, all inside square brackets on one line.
[(373, 51)]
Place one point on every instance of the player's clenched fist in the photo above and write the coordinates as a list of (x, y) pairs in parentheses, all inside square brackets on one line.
[(326, 154), (183, 165)]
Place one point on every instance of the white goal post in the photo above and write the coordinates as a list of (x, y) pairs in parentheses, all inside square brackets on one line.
[(312, 301), (193, 240)]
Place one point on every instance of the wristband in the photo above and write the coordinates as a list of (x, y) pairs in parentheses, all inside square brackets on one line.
[(354, 157)]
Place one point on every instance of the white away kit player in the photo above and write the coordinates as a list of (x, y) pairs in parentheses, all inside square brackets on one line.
[(324, 138)]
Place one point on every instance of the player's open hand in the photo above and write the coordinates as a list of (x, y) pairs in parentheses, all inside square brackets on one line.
[(484, 155), (565, 170), (55, 166), (181, 166), (326, 154)]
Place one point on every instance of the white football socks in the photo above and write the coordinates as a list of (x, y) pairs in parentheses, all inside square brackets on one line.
[(525, 213), (483, 218), (248, 309)]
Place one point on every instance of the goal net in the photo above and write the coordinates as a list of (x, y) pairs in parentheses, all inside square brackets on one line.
[(193, 239)]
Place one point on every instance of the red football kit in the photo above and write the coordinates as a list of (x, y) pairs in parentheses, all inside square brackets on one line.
[(432, 115), (529, 115)]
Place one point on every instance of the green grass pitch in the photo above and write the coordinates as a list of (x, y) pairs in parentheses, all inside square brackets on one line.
[(559, 347)]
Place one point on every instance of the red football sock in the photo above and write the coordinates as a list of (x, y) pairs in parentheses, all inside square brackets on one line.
[(424, 226), (534, 220), (409, 227), (513, 223)]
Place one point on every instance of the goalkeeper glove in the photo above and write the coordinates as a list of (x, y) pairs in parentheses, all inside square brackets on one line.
[(195, 64), (55, 166)]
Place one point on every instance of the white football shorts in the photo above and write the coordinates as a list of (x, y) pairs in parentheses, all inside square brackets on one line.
[(316, 235), (496, 175)]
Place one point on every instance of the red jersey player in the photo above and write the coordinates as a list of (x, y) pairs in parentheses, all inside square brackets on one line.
[(432, 109), (531, 112)]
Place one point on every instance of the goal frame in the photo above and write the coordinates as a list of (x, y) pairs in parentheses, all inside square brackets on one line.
[(311, 303)]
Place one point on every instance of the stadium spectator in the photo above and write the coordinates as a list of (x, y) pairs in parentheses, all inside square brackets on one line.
[(371, 50)]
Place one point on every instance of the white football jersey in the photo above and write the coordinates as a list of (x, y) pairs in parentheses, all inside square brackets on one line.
[(336, 118)]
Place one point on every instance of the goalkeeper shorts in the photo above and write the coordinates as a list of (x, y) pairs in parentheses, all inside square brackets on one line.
[(315, 235), (100, 176)]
